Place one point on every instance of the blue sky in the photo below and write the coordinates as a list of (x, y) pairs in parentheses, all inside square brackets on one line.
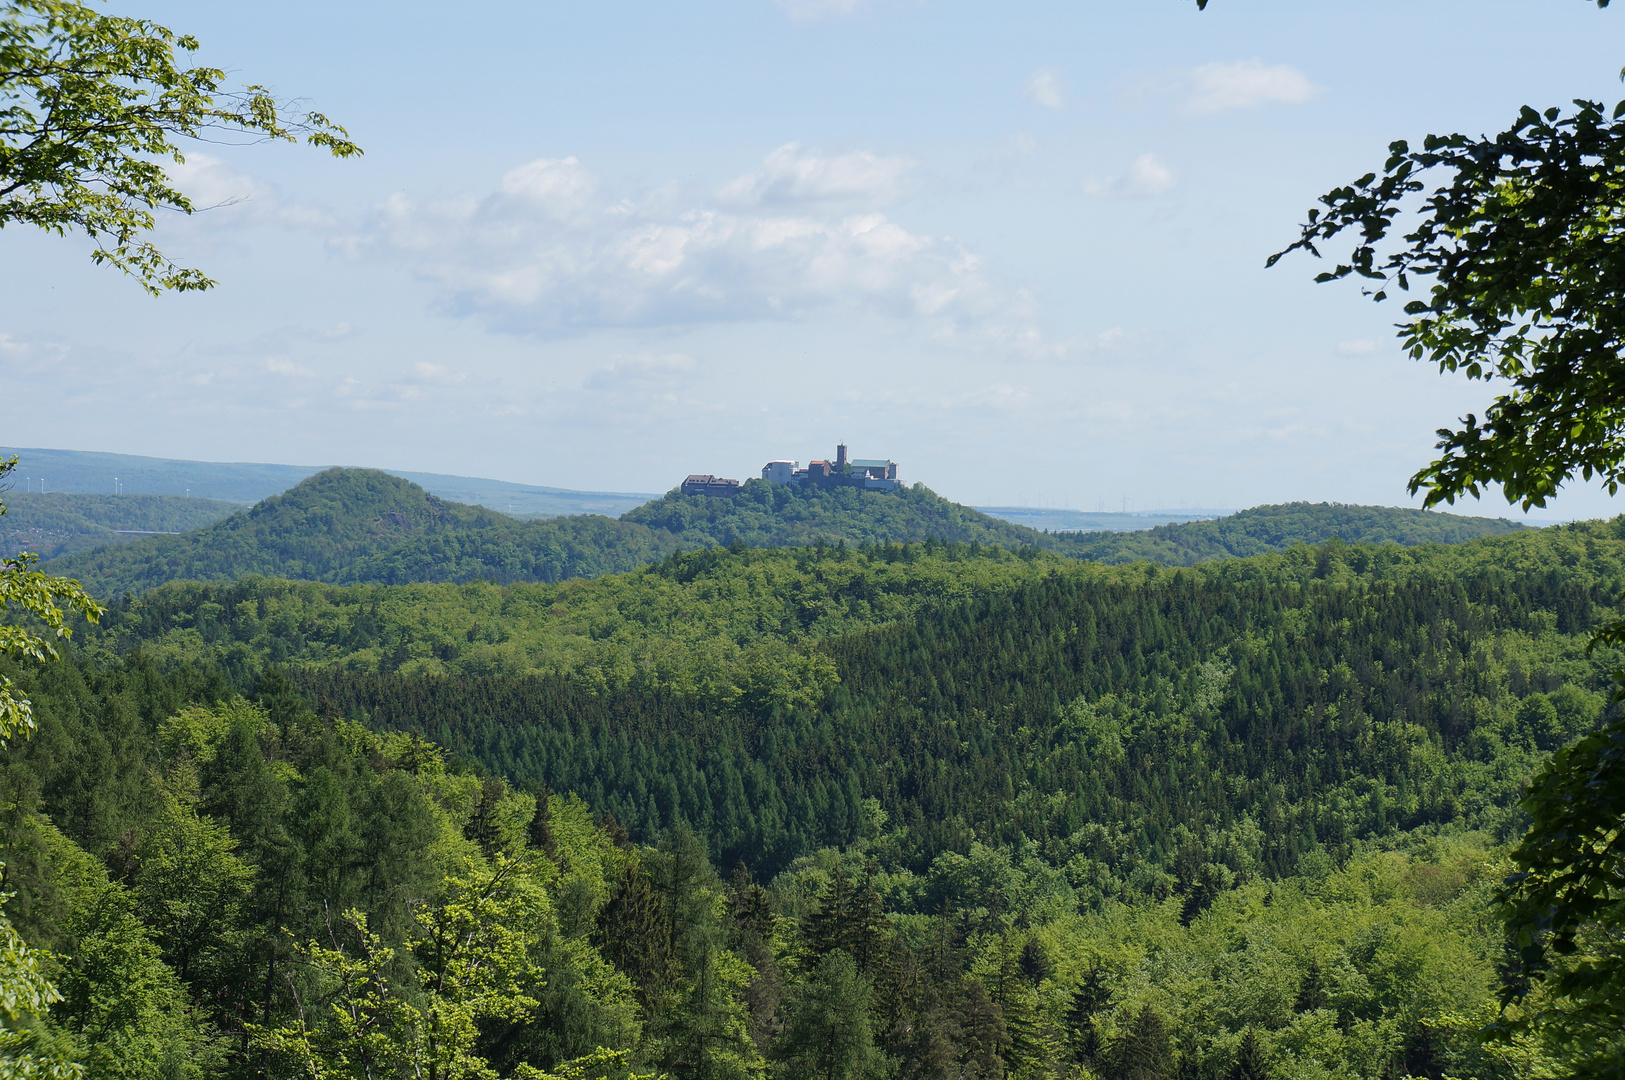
[(1018, 248)]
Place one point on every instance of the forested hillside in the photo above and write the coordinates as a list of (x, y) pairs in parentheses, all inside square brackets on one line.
[(773, 515), (908, 674), (364, 525), (987, 813), (358, 525), (1275, 528), (55, 523)]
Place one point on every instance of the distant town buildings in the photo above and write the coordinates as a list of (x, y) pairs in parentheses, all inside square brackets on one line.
[(870, 474)]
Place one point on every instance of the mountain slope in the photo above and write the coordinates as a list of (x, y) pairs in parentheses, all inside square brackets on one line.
[(58, 523), (365, 525), (1109, 714), (770, 515), (84, 471), (1275, 528)]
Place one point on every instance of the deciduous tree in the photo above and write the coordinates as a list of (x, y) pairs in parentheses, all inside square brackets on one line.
[(92, 106)]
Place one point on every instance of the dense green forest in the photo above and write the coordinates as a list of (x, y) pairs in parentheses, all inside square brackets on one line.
[(775, 515), (358, 525), (364, 525), (1273, 528), (55, 523), (922, 810)]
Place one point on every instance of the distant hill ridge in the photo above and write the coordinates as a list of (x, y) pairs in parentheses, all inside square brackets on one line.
[(59, 524), (358, 526), (245, 483), (1274, 528)]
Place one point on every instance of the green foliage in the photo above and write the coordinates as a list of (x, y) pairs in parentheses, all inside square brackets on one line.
[(1566, 906), (827, 1033), (1265, 529), (40, 599), (124, 1009), (56, 524), (1037, 801), (27, 1051), (476, 952), (91, 106), (1519, 242), (362, 525), (761, 514)]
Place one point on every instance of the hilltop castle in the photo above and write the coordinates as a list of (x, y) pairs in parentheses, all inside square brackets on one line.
[(871, 474)]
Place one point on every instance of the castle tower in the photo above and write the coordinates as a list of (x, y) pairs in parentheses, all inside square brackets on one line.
[(840, 455)]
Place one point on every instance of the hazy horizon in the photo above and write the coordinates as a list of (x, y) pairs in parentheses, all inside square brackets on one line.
[(1018, 251)]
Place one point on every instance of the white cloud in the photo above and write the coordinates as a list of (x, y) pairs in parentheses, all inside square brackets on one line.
[(788, 176), (1044, 87), (1245, 84), (423, 371), (1145, 178), (642, 371), (282, 366), (26, 356), (220, 193), (552, 251), (1356, 348), (817, 10)]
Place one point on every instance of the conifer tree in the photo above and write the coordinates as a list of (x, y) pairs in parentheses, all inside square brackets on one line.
[(851, 919), (1144, 1051), (1250, 1063), (540, 832), (631, 934), (1312, 990), (1019, 1010), (1089, 998), (828, 1033), (751, 907)]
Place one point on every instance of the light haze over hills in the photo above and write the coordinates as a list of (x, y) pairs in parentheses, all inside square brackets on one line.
[(1023, 243)]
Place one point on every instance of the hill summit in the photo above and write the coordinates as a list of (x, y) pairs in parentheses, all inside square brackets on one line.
[(362, 526)]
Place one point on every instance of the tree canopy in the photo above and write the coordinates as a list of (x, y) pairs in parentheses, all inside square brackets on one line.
[(91, 108), (1520, 244)]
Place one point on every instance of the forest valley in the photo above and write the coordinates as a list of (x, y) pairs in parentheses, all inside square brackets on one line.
[(922, 810)]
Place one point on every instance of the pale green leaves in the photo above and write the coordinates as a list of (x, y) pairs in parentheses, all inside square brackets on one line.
[(91, 106), (476, 956), (46, 600), (25, 994), (1521, 243)]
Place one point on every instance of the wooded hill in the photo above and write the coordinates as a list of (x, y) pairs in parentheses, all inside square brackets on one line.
[(994, 813), (943, 680), (358, 525), (365, 525), (53, 523), (1275, 528)]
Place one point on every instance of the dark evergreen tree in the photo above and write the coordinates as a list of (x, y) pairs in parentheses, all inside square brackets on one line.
[(1143, 1051), (1090, 998), (1250, 1061), (481, 827), (1311, 990), (851, 919), (540, 832), (632, 935), (828, 1032), (752, 910), (1035, 962)]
